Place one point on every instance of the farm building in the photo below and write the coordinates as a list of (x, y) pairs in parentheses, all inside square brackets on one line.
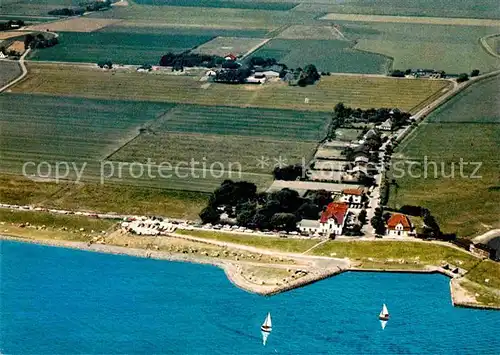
[(398, 225), (361, 160), (325, 175), (255, 80), (331, 165), (309, 226), (302, 187), (386, 125)]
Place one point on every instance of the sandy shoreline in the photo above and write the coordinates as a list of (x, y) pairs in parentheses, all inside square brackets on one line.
[(459, 296)]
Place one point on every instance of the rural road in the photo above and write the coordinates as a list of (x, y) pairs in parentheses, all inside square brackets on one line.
[(24, 72)]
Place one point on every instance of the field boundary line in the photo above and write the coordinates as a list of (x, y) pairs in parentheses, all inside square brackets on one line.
[(255, 48), (146, 125), (485, 45)]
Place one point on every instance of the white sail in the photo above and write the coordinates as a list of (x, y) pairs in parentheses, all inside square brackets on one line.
[(383, 323), (264, 337), (268, 323), (384, 312)]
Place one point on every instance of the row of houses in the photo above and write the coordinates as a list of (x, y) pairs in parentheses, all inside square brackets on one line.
[(334, 220)]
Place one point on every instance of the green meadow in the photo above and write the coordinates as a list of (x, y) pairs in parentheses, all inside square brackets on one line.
[(232, 4), (454, 49), (467, 128), (441, 8), (327, 55), (119, 47)]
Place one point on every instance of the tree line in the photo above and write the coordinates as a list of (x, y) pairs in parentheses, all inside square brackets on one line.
[(83, 7), (11, 24), (188, 59), (39, 41), (279, 210)]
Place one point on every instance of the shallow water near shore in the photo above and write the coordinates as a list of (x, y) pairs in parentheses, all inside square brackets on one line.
[(56, 300)]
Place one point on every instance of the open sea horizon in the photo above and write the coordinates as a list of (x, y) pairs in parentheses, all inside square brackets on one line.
[(63, 301)]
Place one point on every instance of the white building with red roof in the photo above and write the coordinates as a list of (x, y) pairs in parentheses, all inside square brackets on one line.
[(333, 219), (331, 222), (398, 225)]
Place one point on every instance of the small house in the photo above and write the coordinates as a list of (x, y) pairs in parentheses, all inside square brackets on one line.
[(398, 225), (309, 226), (386, 125), (270, 74), (353, 197), (230, 57)]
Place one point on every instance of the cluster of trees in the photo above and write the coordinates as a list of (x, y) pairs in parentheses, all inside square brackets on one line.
[(6, 26), (462, 77), (262, 62), (188, 59), (105, 64), (308, 76), (378, 221), (39, 41), (233, 76), (289, 173), (398, 117), (84, 7), (280, 210)]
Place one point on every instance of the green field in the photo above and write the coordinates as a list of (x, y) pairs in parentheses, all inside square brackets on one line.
[(468, 128), (442, 8), (327, 55), (273, 243), (224, 135), (120, 47), (102, 198), (197, 16), (8, 72), (454, 49), (87, 132), (362, 92), (275, 124), (85, 129), (165, 29), (55, 221), (232, 4), (33, 8), (427, 253)]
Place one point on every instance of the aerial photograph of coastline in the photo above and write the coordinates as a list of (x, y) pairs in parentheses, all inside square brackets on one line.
[(249, 177)]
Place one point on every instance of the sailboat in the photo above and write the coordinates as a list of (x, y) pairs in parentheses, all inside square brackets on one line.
[(266, 328), (384, 313)]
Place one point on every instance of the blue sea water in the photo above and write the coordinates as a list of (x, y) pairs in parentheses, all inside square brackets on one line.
[(62, 301)]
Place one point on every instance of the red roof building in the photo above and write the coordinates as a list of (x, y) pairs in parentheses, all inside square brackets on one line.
[(398, 225), (230, 56), (335, 210), (354, 192)]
